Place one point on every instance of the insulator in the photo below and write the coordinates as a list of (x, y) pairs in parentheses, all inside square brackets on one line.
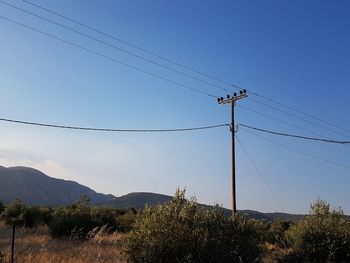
[(228, 96), (244, 91)]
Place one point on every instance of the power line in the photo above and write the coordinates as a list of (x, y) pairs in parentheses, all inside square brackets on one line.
[(281, 121), (298, 151), (113, 130), (297, 117), (294, 135), (179, 64), (109, 58), (114, 46), (182, 65), (300, 112), (260, 174), (133, 45)]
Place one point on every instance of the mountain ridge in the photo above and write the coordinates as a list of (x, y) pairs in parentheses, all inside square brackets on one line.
[(36, 188)]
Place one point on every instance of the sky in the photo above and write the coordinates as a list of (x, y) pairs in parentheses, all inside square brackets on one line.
[(296, 53)]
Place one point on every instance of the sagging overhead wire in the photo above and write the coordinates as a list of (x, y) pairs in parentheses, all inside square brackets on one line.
[(132, 45), (227, 83), (293, 135), (297, 150), (114, 130), (300, 112), (109, 58), (115, 47), (281, 121), (297, 117)]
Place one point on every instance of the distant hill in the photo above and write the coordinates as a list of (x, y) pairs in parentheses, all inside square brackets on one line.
[(139, 200), (36, 188), (271, 216)]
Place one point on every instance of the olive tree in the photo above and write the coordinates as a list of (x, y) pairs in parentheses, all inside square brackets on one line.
[(14, 215), (322, 236), (183, 231)]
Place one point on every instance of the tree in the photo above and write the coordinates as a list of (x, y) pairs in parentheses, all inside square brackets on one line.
[(77, 220), (323, 236), (2, 207), (35, 216), (183, 231), (14, 215)]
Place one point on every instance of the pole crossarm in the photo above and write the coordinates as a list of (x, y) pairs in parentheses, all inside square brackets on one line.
[(232, 99)]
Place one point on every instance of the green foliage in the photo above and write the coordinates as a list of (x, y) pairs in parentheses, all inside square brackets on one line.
[(263, 228), (14, 213), (35, 215), (79, 219), (65, 220), (182, 231), (323, 236), (277, 232), (2, 207), (83, 200), (103, 216), (126, 220)]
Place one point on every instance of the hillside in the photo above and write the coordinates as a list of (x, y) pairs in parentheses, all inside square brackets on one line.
[(36, 188), (139, 200)]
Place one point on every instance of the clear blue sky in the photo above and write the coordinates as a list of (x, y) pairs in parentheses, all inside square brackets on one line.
[(295, 52)]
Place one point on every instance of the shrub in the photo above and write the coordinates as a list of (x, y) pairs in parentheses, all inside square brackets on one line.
[(34, 216), (68, 220), (79, 219), (2, 207), (277, 232), (14, 213), (323, 236), (182, 231), (125, 221), (101, 216)]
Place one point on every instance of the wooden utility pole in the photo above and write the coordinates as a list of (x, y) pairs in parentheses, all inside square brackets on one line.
[(232, 100), (13, 242)]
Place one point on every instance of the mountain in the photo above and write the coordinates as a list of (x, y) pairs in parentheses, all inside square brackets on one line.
[(271, 216), (139, 200), (36, 188)]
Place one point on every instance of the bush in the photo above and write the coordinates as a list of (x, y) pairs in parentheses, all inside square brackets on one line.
[(14, 213), (182, 231), (34, 216), (277, 232), (79, 219), (2, 207), (323, 236), (126, 220)]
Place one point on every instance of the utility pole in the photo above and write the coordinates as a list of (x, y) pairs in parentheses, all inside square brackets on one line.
[(232, 100), (13, 242)]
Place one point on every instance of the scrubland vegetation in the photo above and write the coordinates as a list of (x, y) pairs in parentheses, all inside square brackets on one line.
[(178, 231)]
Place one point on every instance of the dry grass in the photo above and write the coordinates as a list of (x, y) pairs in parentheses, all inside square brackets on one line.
[(38, 247), (274, 253)]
